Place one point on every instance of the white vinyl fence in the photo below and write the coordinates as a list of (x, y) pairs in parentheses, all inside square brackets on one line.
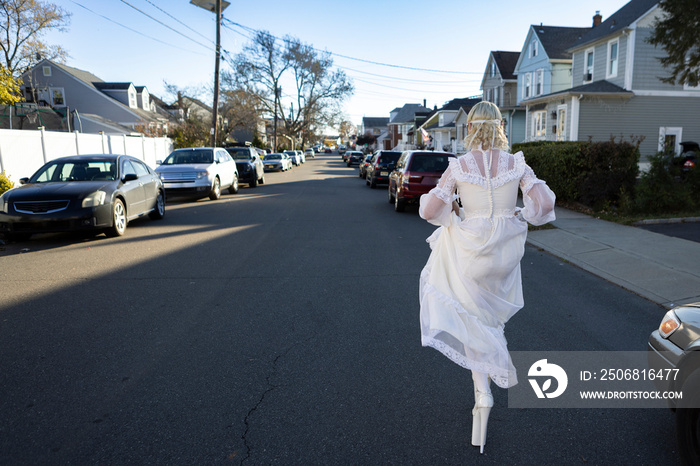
[(22, 152)]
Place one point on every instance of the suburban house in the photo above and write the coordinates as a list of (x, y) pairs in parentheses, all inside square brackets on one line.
[(440, 132), (374, 125), (500, 86), (615, 89), (544, 67), (96, 105), (402, 124)]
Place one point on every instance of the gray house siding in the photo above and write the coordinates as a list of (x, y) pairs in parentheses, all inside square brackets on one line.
[(647, 68), (639, 116), (79, 96), (601, 62)]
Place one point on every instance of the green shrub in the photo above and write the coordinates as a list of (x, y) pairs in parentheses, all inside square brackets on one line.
[(661, 191), (5, 183), (597, 174)]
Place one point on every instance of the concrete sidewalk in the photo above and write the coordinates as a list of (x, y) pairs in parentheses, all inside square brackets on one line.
[(663, 269)]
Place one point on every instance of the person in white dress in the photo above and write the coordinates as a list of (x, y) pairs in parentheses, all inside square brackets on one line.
[(471, 284)]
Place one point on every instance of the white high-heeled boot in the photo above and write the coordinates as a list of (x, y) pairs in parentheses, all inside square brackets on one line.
[(481, 411), (483, 402)]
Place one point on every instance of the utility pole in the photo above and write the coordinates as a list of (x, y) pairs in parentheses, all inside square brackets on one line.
[(215, 116), (278, 91), (215, 7)]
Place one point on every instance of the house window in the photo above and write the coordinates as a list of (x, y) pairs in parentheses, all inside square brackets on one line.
[(588, 66), (539, 78), (46, 70), (528, 85), (493, 69), (687, 86), (612, 58), (57, 97), (561, 123), (132, 100), (533, 49), (670, 139), (539, 124)]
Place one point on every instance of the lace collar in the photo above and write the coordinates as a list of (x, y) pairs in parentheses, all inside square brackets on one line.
[(465, 169)]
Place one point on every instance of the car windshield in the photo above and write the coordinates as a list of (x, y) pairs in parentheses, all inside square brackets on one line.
[(273, 156), (239, 154), (180, 157), (429, 163), (83, 170), (389, 157)]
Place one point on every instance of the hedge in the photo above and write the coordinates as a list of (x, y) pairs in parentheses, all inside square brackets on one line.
[(595, 174)]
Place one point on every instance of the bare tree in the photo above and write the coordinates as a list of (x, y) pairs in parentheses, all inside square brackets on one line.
[(318, 92), (22, 25)]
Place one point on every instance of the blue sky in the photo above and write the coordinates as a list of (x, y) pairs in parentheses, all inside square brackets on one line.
[(444, 35)]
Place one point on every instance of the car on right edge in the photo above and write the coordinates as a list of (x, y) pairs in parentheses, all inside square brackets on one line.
[(416, 173), (676, 345)]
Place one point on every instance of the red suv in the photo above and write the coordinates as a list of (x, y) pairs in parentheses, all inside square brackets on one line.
[(416, 173)]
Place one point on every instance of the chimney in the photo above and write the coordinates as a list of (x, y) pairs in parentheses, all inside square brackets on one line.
[(424, 102), (597, 19)]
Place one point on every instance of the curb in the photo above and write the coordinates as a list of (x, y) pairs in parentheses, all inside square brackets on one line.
[(661, 221)]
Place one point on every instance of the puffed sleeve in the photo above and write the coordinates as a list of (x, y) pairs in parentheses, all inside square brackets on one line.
[(436, 205), (538, 199)]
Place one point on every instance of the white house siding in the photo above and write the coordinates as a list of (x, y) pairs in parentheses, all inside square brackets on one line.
[(638, 116)]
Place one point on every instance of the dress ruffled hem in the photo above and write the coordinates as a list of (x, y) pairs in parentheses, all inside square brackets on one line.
[(503, 377)]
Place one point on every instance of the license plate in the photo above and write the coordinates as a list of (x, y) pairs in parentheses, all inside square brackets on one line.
[(383, 173)]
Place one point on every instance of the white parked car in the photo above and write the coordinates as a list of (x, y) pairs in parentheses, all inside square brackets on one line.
[(293, 156), (301, 155), (309, 152), (275, 162), (198, 172)]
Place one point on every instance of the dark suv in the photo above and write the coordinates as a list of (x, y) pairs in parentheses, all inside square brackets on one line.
[(383, 163), (354, 157), (250, 167), (416, 173)]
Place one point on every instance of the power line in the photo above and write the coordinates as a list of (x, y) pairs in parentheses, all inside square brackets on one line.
[(165, 25), (353, 58), (131, 29), (193, 30)]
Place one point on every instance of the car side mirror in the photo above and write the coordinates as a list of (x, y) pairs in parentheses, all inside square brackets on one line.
[(130, 177), (159, 162), (23, 180)]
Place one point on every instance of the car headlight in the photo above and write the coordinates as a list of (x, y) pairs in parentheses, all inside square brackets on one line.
[(669, 324), (94, 199), (202, 174)]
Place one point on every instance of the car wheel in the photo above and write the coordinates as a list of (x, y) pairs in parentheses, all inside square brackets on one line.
[(399, 204), (688, 421), (118, 219), (215, 192), (254, 182), (159, 210), (372, 183), (233, 189)]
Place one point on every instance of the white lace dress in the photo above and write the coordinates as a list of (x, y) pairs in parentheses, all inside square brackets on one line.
[(471, 284)]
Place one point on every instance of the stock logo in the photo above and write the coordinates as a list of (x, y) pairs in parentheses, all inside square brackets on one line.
[(542, 370)]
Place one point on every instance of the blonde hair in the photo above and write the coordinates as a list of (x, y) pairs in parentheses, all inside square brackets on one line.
[(487, 130)]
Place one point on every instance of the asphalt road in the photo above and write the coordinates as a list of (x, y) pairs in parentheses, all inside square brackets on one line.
[(280, 326)]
